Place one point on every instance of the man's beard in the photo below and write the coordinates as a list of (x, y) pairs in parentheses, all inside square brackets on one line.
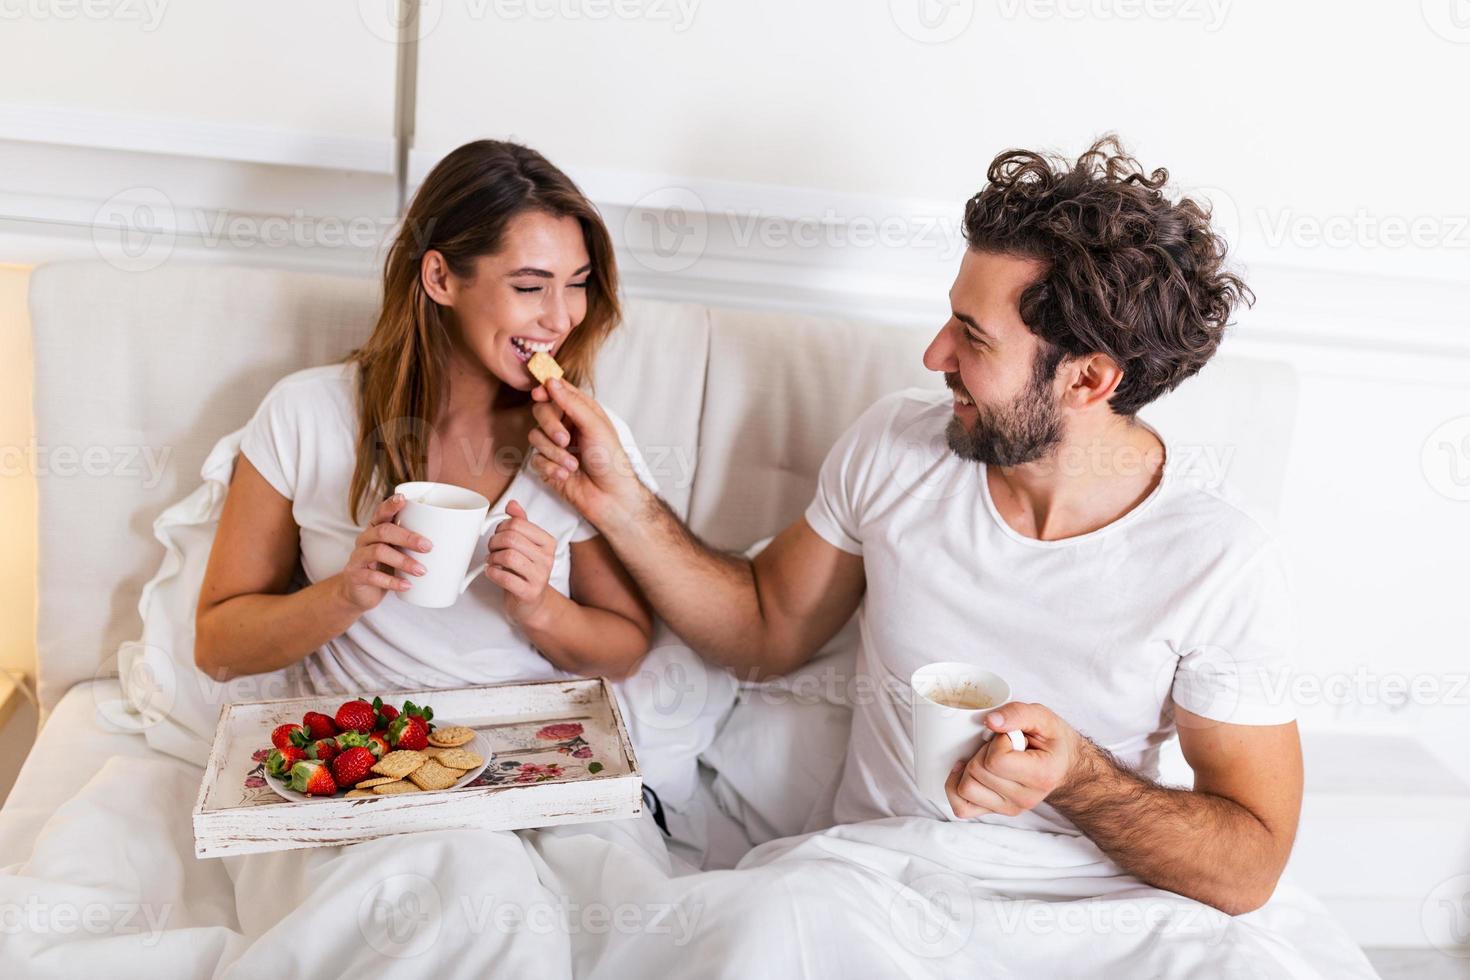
[(1024, 431)]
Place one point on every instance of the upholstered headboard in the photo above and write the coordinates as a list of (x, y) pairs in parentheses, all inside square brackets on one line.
[(139, 374)]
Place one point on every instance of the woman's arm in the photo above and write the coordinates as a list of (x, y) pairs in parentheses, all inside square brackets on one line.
[(603, 629), (245, 623)]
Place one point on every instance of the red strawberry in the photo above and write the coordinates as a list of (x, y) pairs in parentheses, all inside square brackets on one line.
[(409, 732), (356, 716), (352, 765), (386, 712), (281, 737), (280, 761), (323, 749), (312, 776), (320, 725)]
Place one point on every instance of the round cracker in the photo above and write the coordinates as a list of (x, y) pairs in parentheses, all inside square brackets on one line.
[(396, 787), (375, 781), (451, 737)]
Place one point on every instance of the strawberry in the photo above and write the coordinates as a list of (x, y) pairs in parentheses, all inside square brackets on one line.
[(356, 716), (357, 740), (380, 739), (280, 761), (352, 765), (320, 725), (386, 712), (281, 737), (410, 730), (312, 776), (323, 749)]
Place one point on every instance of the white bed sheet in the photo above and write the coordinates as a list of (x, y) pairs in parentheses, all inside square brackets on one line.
[(99, 825), (69, 750)]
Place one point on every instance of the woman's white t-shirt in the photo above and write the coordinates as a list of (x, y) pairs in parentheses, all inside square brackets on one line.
[(303, 440)]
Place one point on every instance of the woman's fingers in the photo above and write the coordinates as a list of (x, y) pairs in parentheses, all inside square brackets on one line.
[(388, 509), (513, 538), (400, 537), (385, 554), (510, 582), (384, 581), (515, 561), (531, 531)]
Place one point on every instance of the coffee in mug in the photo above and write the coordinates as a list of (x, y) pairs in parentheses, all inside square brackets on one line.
[(951, 701)]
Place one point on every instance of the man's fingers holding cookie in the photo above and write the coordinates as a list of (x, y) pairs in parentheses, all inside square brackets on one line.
[(543, 444)]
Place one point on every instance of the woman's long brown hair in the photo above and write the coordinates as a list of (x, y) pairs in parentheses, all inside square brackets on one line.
[(461, 210)]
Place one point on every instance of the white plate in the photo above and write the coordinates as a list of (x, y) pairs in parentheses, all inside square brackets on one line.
[(478, 744)]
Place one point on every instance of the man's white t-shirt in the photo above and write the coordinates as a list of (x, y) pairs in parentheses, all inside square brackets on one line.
[(1180, 601), (303, 440)]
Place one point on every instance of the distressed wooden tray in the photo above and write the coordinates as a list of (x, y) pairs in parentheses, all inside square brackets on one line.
[(562, 755)]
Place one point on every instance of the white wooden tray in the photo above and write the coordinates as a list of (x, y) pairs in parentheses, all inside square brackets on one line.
[(562, 755)]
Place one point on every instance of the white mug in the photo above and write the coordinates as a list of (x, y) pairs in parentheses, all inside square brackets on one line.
[(945, 735), (453, 519)]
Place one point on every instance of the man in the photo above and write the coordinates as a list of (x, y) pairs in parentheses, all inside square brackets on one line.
[(1032, 529)]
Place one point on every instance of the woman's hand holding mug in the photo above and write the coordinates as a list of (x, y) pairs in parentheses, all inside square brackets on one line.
[(363, 581), (520, 563)]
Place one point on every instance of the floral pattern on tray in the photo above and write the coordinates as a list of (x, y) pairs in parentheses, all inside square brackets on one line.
[(566, 738)]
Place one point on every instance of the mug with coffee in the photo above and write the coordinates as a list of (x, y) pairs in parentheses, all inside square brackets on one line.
[(951, 701), (453, 519)]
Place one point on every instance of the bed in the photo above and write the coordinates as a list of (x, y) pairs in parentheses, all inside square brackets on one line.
[(158, 368)]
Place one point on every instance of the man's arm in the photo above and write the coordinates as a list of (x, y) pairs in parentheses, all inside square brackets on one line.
[(759, 618), (1223, 843)]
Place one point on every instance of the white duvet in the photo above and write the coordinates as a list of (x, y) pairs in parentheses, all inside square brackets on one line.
[(112, 890), (111, 887)]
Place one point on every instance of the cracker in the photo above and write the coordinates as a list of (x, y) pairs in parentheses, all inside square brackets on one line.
[(354, 793), (431, 775), (543, 367), (375, 781), (459, 759), (451, 737), (399, 763), (396, 787)]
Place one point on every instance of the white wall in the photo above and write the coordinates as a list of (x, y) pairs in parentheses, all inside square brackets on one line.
[(275, 82), (1305, 112)]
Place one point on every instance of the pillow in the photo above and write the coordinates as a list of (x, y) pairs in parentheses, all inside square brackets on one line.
[(171, 701), (779, 755), (674, 706)]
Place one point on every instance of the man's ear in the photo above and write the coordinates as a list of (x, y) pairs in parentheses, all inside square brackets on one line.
[(1091, 380), (435, 276)]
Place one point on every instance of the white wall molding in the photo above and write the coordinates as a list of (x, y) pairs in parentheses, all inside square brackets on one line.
[(891, 259), (145, 231), (726, 243), (196, 138)]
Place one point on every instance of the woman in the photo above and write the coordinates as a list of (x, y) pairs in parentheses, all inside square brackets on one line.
[(498, 254)]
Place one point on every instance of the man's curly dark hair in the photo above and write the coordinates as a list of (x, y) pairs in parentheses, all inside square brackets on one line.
[(1130, 274)]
